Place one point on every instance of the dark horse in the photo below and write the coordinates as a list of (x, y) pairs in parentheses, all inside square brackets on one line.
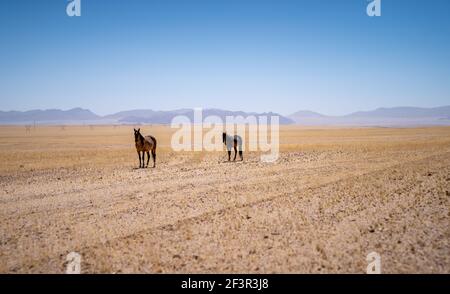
[(145, 145), (233, 142)]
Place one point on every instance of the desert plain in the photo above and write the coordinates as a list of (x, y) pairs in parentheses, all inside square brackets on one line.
[(334, 196)]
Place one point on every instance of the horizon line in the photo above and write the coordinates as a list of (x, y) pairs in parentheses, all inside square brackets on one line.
[(222, 109)]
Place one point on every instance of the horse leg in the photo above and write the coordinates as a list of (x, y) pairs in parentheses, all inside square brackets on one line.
[(148, 157), (139, 155), (229, 155), (235, 153), (154, 157), (241, 155)]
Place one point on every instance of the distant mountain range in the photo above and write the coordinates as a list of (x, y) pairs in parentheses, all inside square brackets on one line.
[(76, 114), (165, 117), (138, 116), (397, 116)]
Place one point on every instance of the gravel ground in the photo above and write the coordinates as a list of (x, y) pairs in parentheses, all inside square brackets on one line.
[(320, 209)]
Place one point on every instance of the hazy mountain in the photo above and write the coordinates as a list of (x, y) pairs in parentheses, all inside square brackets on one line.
[(405, 112), (302, 115), (165, 117), (130, 113), (75, 114), (306, 113), (157, 117), (137, 116), (397, 116)]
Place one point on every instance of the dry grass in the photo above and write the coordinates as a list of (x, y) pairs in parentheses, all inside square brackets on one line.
[(334, 196)]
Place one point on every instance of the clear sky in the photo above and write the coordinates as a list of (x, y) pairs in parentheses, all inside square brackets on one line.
[(252, 55)]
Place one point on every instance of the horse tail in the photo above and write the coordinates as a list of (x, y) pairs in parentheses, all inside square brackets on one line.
[(154, 150), (239, 142), (154, 142)]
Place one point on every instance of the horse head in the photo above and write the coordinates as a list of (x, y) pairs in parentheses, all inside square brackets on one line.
[(137, 134)]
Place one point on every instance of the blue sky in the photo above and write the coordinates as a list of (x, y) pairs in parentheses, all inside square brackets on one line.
[(283, 56)]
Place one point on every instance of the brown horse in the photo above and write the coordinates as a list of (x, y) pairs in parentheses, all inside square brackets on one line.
[(145, 145)]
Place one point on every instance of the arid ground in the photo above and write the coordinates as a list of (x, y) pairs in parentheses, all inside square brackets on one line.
[(334, 196)]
